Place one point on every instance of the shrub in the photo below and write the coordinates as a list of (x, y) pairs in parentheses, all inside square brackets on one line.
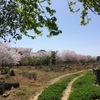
[(25, 74), (7, 76), (2, 88), (5, 70), (30, 75), (2, 72), (8, 86), (34, 75), (12, 73)]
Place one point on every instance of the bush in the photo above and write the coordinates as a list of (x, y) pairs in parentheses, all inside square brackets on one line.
[(30, 75), (7, 76), (2, 72), (5, 70), (2, 88), (34, 75), (12, 73), (8, 86), (25, 74)]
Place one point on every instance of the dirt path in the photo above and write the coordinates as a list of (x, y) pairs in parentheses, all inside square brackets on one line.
[(67, 92), (52, 82)]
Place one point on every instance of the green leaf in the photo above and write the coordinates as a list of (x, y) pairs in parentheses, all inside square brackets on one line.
[(49, 2), (26, 15)]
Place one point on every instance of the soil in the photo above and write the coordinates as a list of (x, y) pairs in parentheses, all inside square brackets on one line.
[(67, 91)]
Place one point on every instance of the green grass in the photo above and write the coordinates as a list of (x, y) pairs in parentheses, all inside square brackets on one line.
[(55, 91), (84, 88)]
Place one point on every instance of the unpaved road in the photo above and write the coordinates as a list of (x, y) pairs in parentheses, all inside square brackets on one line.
[(67, 92), (54, 81), (50, 82)]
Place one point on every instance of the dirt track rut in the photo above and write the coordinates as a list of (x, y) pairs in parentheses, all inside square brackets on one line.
[(67, 92), (54, 81)]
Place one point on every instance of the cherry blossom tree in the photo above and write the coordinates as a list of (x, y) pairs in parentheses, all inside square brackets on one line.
[(24, 56), (41, 57), (70, 57), (24, 52), (8, 55)]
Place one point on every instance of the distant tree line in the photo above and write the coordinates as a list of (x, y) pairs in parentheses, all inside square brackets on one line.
[(12, 56)]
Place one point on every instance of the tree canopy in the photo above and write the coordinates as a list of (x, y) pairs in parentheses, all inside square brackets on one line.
[(92, 5), (24, 15), (19, 16)]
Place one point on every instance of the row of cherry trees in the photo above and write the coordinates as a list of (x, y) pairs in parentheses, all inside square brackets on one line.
[(68, 56), (65, 57), (12, 56), (24, 56)]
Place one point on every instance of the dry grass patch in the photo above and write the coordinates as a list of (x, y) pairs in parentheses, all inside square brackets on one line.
[(29, 87)]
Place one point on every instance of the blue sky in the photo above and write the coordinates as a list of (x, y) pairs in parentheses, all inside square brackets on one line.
[(81, 39)]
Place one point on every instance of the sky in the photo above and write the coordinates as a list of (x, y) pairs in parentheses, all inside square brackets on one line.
[(83, 40)]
